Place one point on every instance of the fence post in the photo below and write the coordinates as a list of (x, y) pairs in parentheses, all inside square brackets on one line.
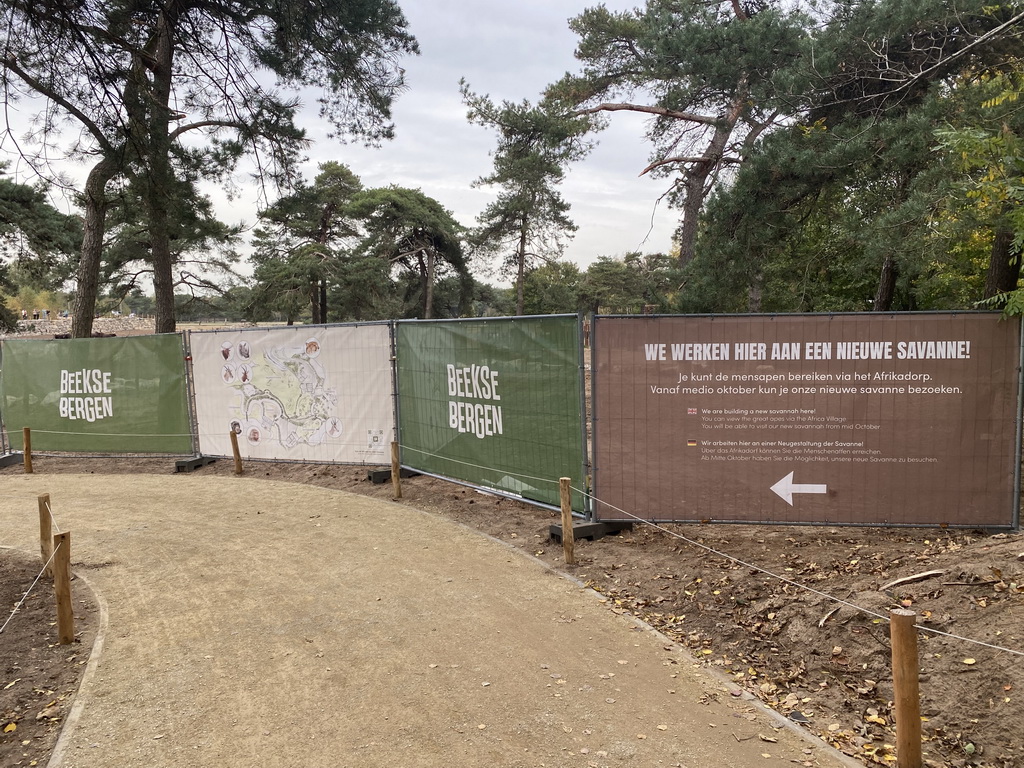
[(45, 534), (62, 587), (906, 697), (235, 452), (396, 470), (568, 537), (26, 439)]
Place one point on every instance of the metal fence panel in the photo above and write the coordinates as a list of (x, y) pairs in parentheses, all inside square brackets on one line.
[(298, 393), (906, 419), (113, 395), (495, 403)]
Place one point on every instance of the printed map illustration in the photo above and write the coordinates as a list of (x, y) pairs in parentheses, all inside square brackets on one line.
[(284, 394)]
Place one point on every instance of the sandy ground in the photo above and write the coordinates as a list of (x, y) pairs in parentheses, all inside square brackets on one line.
[(299, 626)]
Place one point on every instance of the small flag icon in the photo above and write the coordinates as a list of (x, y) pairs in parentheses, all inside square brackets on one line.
[(691, 411), (691, 443)]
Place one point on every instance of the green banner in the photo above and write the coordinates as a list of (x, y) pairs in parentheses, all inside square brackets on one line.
[(119, 395), (495, 403)]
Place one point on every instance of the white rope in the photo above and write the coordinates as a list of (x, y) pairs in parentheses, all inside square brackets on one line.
[(25, 596), (479, 466), (52, 518), (785, 580)]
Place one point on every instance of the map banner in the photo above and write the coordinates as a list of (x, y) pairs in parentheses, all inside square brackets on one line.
[(305, 393), (496, 403), (865, 419), (115, 395)]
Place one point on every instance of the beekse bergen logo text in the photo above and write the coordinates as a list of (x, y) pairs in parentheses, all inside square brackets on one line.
[(474, 382), (94, 384)]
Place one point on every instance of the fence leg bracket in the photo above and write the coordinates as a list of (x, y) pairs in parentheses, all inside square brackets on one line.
[(591, 530), (187, 465)]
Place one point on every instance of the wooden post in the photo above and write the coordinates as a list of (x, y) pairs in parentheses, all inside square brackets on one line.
[(906, 697), (396, 470), (45, 534), (568, 537), (26, 437), (235, 452), (62, 587)]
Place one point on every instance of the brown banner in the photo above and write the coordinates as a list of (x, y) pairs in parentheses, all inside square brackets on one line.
[(847, 419)]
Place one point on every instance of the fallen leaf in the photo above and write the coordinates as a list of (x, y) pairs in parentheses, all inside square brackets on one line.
[(10, 728), (970, 661)]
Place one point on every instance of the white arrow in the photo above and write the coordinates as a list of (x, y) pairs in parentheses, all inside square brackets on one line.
[(785, 488)]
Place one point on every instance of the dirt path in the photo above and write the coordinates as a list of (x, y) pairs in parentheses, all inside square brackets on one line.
[(297, 626)]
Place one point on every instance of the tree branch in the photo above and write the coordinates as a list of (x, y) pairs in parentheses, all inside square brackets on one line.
[(40, 87), (651, 110), (686, 159)]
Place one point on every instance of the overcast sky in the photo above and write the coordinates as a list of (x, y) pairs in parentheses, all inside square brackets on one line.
[(509, 51)]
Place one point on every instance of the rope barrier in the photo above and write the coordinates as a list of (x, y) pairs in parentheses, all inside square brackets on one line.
[(691, 542), (52, 518), (738, 561), (480, 466), (792, 583), (31, 587)]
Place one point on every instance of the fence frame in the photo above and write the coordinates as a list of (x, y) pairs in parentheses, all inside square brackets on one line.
[(1015, 511), (586, 511), (266, 328), (7, 455)]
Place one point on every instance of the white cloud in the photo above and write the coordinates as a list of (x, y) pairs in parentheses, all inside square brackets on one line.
[(510, 51)]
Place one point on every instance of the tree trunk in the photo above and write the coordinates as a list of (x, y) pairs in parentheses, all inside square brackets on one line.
[(314, 301), (521, 273), (692, 205), (695, 184), (88, 277), (886, 293), (1004, 265), (160, 178), (428, 292), (323, 301), (755, 292)]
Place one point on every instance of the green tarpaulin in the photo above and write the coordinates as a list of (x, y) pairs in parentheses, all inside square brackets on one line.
[(120, 395), (495, 403)]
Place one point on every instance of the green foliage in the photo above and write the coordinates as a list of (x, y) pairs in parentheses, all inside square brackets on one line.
[(986, 154), (309, 232), (37, 242), (364, 290), (528, 220), (634, 284), (707, 74), (847, 207), (553, 289), (37, 246), (202, 248), (418, 238), (492, 301), (139, 78)]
